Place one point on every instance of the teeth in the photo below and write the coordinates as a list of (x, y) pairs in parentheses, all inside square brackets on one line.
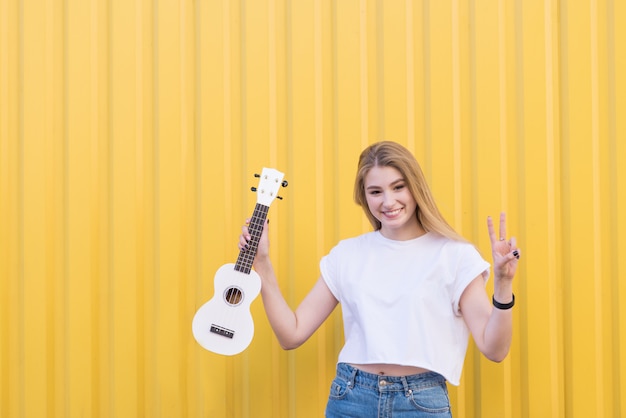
[(392, 213)]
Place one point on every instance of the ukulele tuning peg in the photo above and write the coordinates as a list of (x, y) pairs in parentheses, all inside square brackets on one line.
[(253, 189), (257, 175), (284, 183), (279, 197)]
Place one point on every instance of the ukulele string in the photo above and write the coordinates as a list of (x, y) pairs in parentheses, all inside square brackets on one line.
[(235, 295), (255, 229)]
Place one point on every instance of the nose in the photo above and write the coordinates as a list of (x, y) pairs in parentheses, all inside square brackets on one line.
[(388, 200)]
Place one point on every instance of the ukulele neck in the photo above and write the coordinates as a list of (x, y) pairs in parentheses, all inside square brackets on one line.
[(255, 228)]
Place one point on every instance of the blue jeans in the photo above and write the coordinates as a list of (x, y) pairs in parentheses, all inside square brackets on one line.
[(355, 393)]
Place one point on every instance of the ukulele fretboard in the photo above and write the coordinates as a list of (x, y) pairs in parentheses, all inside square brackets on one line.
[(246, 256)]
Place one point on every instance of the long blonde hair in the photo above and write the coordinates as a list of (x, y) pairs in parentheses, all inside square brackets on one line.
[(391, 154)]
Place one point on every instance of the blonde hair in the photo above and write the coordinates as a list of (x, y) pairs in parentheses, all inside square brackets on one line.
[(391, 154)]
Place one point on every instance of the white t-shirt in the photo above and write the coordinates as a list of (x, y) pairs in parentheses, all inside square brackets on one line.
[(400, 299)]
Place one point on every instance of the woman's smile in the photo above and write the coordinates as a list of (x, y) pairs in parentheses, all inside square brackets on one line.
[(392, 213)]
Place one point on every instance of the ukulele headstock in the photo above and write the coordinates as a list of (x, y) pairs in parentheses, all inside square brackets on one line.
[(270, 181)]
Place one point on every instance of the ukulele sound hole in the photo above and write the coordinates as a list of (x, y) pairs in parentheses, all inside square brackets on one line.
[(233, 296)]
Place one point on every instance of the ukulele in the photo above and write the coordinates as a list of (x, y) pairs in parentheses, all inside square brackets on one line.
[(224, 324)]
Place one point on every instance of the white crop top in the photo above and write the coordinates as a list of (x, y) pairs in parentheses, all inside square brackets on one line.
[(400, 299)]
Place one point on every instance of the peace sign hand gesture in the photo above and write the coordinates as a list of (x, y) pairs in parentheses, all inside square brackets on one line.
[(505, 252)]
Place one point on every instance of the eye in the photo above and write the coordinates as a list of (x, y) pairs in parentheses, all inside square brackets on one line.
[(374, 192), (399, 187)]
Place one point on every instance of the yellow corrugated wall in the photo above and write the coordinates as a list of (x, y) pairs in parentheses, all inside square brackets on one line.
[(130, 132)]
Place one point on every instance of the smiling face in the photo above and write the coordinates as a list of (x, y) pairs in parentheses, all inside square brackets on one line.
[(390, 201)]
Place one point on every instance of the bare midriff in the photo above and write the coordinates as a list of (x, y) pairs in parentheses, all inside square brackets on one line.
[(390, 369)]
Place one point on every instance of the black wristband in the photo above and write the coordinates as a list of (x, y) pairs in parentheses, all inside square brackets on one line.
[(503, 306)]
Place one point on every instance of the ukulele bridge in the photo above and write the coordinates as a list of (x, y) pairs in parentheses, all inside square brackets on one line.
[(224, 332)]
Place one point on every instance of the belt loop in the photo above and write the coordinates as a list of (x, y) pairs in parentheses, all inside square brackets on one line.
[(352, 377), (405, 384)]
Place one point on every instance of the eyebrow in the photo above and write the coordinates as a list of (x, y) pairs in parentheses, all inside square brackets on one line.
[(400, 180)]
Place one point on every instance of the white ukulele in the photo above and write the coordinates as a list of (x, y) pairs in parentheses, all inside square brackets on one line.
[(224, 324)]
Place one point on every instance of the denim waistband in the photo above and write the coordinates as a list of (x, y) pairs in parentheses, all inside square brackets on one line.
[(357, 377)]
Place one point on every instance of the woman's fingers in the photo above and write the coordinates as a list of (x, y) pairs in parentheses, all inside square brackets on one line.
[(502, 226), (245, 235)]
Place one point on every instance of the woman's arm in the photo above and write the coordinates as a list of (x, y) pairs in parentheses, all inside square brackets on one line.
[(492, 328), (292, 329)]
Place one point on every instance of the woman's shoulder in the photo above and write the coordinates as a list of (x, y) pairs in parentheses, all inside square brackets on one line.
[(354, 245), (356, 241), (449, 241), (450, 246)]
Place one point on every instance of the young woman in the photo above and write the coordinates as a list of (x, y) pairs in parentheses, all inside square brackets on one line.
[(411, 292)]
